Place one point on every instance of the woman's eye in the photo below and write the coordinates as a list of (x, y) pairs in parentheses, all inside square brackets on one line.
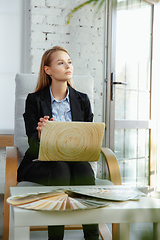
[(69, 62), (60, 63)]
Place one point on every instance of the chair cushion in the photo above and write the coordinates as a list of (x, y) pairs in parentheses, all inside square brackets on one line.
[(31, 184), (25, 83), (28, 184)]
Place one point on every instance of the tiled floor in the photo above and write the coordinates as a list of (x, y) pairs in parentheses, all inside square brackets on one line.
[(137, 230)]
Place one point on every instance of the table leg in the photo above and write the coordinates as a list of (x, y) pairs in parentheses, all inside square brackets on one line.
[(156, 231), (21, 233), (121, 231), (17, 233), (11, 224)]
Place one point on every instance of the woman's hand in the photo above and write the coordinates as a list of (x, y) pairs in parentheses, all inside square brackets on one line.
[(41, 124)]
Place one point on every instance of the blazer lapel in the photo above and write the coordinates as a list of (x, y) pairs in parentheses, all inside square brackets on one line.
[(46, 102), (75, 103)]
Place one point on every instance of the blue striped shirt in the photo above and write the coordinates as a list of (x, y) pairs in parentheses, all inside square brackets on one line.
[(61, 110)]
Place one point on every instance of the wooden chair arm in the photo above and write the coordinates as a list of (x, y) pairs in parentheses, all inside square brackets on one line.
[(10, 181), (113, 167)]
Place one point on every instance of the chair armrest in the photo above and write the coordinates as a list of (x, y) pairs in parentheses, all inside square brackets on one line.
[(113, 166), (11, 167), (10, 181)]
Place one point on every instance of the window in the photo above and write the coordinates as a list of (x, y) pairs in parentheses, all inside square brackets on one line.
[(130, 88)]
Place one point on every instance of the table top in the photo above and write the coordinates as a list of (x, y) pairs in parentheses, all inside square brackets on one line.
[(147, 209)]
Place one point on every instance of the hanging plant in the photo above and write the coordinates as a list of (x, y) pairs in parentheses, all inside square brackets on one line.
[(97, 3)]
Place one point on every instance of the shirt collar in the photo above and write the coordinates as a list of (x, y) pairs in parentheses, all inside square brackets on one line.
[(54, 99)]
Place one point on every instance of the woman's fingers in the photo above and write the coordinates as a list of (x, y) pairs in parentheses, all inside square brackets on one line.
[(44, 119), (41, 124)]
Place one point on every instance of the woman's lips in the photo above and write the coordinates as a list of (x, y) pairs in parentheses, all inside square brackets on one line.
[(69, 72)]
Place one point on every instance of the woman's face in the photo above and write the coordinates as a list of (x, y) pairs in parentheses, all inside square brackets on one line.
[(61, 68)]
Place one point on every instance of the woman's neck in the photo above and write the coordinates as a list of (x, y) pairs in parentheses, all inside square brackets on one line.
[(59, 90)]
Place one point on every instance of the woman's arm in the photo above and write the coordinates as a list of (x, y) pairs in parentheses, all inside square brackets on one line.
[(31, 118)]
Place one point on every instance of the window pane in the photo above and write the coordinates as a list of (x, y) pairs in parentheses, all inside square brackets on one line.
[(131, 105), (142, 171), (132, 102), (120, 103), (143, 106), (132, 151), (130, 171), (133, 60), (130, 143), (119, 143)]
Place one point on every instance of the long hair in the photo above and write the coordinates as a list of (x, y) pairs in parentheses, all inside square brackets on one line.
[(44, 79)]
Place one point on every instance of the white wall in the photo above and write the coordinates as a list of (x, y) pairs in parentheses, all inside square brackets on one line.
[(10, 59), (10, 64)]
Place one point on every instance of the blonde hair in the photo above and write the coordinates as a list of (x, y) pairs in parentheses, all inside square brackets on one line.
[(44, 79)]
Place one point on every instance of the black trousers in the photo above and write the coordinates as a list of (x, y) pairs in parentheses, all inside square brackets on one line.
[(58, 173)]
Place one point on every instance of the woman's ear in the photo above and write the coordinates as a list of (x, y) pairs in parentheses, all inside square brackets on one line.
[(46, 69)]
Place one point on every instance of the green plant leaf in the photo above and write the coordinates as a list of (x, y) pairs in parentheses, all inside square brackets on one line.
[(94, 2), (99, 6)]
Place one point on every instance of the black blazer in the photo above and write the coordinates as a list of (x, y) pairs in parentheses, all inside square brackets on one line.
[(38, 105)]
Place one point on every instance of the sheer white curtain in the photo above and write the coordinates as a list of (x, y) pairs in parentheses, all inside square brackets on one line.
[(156, 90), (10, 59)]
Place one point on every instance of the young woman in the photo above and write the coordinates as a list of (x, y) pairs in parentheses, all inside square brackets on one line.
[(55, 100)]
